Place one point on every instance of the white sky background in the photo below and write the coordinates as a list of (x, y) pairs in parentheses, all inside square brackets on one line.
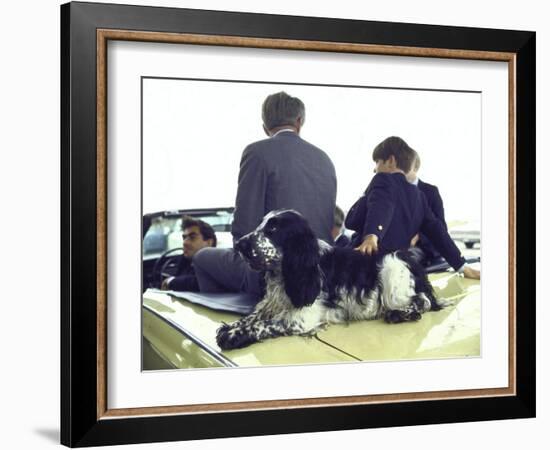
[(195, 131)]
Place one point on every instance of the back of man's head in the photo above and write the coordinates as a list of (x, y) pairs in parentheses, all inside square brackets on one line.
[(281, 109), (403, 154)]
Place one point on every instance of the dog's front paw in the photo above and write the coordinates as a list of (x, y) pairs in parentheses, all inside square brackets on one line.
[(394, 316), (231, 336), (222, 336)]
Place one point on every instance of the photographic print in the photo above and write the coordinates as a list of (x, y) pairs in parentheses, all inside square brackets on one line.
[(194, 135), (260, 147)]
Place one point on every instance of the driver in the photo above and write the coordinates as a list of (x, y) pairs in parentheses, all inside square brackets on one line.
[(197, 234)]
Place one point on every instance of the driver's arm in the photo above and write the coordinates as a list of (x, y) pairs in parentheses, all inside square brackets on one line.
[(165, 285)]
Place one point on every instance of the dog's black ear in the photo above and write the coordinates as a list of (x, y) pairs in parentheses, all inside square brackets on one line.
[(301, 269)]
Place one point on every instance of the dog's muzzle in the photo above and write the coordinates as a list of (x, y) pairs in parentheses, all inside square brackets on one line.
[(258, 251)]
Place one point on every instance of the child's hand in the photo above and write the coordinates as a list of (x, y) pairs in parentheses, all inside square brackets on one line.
[(470, 272), (369, 245)]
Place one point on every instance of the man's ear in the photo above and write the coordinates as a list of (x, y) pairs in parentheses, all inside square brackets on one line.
[(299, 124)]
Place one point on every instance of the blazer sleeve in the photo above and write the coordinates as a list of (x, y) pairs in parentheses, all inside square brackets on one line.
[(185, 280), (187, 283), (373, 212), (251, 190), (380, 206), (437, 233), (356, 215)]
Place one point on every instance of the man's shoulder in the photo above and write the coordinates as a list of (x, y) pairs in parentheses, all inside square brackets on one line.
[(269, 148), (281, 140), (256, 151), (313, 147), (257, 146), (262, 148)]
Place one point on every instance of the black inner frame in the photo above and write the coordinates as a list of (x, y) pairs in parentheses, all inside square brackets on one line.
[(79, 424)]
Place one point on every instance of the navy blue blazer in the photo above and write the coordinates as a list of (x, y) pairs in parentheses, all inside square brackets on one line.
[(395, 210), (342, 241), (435, 202)]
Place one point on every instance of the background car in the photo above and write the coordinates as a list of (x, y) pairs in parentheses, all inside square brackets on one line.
[(467, 233)]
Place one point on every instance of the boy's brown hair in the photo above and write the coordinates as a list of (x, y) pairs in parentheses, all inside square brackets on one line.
[(403, 154)]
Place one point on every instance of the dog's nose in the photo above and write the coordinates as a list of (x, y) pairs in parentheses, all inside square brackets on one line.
[(243, 245)]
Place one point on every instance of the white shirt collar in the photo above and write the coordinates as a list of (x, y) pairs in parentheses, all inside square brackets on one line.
[(284, 130), (415, 182)]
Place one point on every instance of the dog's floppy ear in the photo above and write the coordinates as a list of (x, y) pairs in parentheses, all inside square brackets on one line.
[(301, 268)]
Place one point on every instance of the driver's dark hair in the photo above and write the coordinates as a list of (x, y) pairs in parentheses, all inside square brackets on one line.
[(206, 229), (403, 154), (281, 109)]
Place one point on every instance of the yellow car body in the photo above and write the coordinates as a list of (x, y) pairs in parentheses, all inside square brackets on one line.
[(180, 334)]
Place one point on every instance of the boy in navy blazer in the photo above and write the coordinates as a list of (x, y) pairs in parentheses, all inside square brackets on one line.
[(392, 210)]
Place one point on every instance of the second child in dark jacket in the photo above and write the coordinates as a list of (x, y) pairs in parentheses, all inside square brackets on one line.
[(392, 210)]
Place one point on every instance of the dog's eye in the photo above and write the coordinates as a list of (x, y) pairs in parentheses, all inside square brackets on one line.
[(271, 228)]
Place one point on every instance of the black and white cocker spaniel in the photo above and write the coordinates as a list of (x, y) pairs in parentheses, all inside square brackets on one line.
[(310, 284)]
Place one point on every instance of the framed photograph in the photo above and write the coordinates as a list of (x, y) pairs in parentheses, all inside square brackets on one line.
[(161, 109)]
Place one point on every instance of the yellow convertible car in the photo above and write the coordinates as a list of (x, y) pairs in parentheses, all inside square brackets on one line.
[(179, 328)]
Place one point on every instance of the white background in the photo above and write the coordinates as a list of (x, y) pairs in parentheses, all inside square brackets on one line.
[(30, 186), (191, 150)]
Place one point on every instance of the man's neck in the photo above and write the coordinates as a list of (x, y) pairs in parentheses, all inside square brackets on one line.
[(283, 129)]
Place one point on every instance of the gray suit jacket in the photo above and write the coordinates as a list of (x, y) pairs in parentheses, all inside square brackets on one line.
[(285, 172)]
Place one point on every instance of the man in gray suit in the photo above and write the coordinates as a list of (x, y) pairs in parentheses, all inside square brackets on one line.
[(281, 172)]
